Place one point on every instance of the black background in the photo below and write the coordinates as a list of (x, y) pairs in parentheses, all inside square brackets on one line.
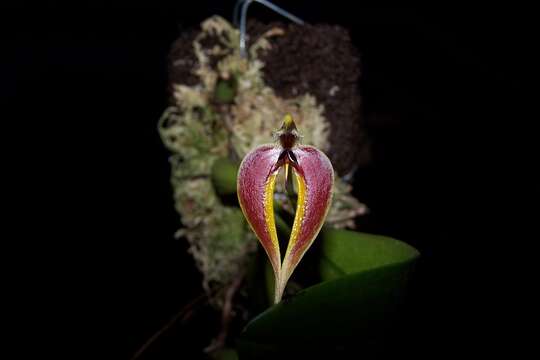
[(443, 93)]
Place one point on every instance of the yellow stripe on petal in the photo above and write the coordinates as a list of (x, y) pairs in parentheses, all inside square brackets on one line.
[(295, 233), (300, 210), (255, 187), (314, 178), (270, 220)]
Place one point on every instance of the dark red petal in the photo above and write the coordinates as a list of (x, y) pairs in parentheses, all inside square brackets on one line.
[(255, 187), (315, 179)]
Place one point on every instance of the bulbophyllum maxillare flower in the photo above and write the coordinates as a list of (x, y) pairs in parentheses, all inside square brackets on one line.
[(256, 184)]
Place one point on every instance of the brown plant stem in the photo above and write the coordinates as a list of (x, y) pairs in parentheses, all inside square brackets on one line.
[(226, 316), (182, 315)]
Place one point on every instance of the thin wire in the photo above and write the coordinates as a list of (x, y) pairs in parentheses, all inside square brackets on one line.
[(245, 4), (243, 17), (281, 11), (236, 12)]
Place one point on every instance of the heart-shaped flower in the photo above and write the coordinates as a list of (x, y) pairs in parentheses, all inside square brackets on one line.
[(256, 184)]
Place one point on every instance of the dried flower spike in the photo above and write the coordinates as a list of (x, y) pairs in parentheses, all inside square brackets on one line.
[(256, 183)]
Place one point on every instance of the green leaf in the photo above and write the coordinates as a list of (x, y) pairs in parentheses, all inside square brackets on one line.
[(348, 252), (364, 280)]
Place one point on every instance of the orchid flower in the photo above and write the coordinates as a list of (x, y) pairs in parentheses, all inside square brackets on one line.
[(255, 187)]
